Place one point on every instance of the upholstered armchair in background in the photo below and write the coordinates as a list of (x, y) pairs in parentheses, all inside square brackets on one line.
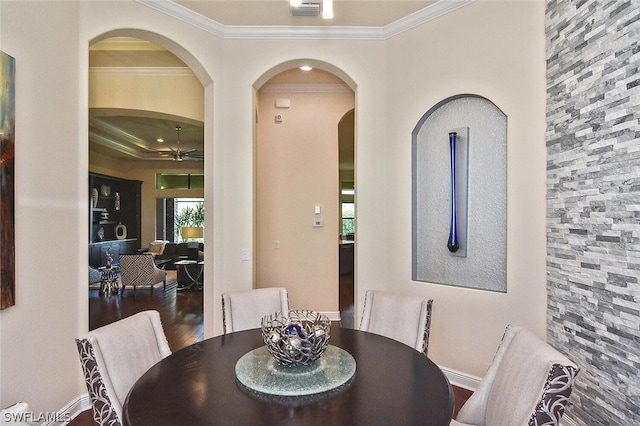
[(528, 383), (404, 318), (242, 310), (140, 270), (113, 357)]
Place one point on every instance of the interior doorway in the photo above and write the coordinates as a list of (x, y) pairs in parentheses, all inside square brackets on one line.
[(146, 118), (347, 248), (298, 177)]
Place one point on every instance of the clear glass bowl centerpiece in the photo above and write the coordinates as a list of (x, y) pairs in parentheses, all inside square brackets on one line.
[(298, 338)]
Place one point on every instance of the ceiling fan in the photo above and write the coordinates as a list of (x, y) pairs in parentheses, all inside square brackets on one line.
[(179, 155)]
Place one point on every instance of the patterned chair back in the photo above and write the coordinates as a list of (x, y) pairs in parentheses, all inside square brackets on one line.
[(115, 356)]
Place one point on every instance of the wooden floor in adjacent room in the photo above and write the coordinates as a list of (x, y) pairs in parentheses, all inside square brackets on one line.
[(181, 312)]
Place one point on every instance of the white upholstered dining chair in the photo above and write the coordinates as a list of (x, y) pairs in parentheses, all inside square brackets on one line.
[(244, 309), (114, 356), (528, 383), (404, 318)]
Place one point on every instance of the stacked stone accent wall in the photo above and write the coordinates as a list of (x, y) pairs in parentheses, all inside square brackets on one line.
[(593, 203)]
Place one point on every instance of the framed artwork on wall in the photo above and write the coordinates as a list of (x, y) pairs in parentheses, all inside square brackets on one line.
[(7, 200)]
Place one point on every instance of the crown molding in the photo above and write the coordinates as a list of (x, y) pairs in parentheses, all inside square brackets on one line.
[(277, 32), (186, 15), (422, 16)]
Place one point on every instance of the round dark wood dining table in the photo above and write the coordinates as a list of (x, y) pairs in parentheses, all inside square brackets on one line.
[(393, 385)]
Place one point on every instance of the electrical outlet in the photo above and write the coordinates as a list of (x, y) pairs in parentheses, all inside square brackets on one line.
[(244, 255)]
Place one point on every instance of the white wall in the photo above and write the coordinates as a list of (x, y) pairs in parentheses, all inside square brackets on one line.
[(493, 49)]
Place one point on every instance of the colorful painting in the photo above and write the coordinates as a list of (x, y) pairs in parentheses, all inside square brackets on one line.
[(7, 201)]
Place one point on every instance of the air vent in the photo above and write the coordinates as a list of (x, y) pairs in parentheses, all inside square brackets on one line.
[(305, 9)]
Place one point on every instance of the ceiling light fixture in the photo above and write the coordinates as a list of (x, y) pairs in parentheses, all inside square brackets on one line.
[(306, 68), (160, 140), (327, 9)]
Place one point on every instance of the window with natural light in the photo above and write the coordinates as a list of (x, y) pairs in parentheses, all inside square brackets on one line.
[(348, 218)]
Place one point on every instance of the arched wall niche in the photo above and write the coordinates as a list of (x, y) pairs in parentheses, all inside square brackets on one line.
[(481, 178)]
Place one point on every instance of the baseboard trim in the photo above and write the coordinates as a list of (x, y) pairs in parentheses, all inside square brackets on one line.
[(71, 410), (460, 379)]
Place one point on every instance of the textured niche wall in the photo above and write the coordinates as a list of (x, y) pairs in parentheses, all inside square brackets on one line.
[(481, 196)]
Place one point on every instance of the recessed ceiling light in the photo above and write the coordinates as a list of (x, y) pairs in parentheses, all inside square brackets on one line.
[(306, 68), (160, 140)]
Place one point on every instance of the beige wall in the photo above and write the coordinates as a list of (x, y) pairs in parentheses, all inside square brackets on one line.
[(297, 169), (495, 49), (182, 94), (39, 361), (49, 40)]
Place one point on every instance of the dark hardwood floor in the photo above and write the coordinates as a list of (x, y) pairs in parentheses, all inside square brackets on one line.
[(180, 310), (182, 320)]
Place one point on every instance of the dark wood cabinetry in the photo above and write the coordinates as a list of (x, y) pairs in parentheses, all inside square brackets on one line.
[(114, 217)]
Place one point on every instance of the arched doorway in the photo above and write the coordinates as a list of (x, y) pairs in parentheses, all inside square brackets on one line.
[(142, 88), (298, 181)]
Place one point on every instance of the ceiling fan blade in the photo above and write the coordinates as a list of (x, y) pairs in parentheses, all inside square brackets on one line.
[(194, 155)]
